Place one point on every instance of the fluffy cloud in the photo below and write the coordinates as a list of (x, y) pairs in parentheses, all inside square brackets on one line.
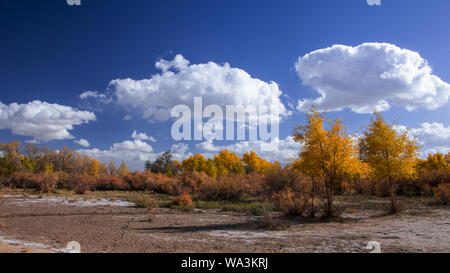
[(282, 150), (83, 142), (437, 149), (142, 136), (434, 137), (134, 153), (370, 76), (127, 117), (374, 2), (91, 94), (433, 132), (42, 120), (179, 82)]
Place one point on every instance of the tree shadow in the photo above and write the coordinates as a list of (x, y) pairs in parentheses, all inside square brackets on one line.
[(243, 226)]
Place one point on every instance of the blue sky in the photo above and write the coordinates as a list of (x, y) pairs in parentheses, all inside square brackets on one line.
[(53, 52)]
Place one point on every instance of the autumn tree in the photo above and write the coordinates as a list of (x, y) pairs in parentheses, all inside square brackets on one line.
[(392, 155), (163, 163), (94, 168), (228, 163), (255, 164), (11, 154), (329, 154), (112, 170), (123, 169), (198, 163), (434, 162)]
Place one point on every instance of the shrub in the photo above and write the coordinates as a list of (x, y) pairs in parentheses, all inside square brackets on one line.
[(48, 182), (223, 188), (279, 179), (292, 203), (270, 222), (109, 183), (25, 180), (442, 193), (183, 200), (429, 180), (145, 201), (192, 182), (160, 183), (83, 183), (254, 184), (136, 180)]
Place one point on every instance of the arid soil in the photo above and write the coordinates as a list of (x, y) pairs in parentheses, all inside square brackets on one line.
[(32, 224)]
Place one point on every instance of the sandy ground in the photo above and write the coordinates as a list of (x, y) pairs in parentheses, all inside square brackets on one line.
[(34, 224)]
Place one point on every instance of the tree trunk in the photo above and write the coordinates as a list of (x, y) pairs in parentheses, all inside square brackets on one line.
[(392, 196)]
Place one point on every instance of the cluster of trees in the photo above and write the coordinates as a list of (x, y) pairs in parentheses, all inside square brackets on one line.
[(224, 164), (331, 161), (32, 159)]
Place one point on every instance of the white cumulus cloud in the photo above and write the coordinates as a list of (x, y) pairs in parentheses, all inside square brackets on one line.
[(91, 94), (142, 136), (83, 142), (434, 137), (42, 120), (374, 2), (179, 82), (370, 76), (134, 153)]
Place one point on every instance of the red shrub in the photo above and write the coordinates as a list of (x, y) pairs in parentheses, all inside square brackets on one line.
[(136, 180), (192, 182), (48, 182), (160, 183), (82, 183), (113, 183), (25, 180), (254, 184), (224, 188), (183, 200), (442, 193)]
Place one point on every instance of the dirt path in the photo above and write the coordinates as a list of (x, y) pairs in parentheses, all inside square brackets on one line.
[(121, 227)]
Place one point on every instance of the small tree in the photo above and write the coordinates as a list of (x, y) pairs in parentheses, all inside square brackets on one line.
[(163, 163), (148, 165), (327, 154), (391, 155), (123, 169)]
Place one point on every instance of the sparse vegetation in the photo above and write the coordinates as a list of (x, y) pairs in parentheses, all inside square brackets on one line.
[(330, 163)]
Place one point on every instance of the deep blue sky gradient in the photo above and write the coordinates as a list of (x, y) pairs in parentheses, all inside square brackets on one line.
[(53, 52)]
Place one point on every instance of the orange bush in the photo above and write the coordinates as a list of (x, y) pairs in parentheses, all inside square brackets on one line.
[(192, 182), (279, 178), (48, 182), (183, 200), (25, 180), (82, 183), (223, 188), (254, 184), (110, 182), (442, 193), (136, 180), (292, 203)]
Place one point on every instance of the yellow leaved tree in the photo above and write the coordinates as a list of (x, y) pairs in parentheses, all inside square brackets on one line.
[(198, 163), (327, 154), (392, 155), (228, 163), (433, 162), (254, 163)]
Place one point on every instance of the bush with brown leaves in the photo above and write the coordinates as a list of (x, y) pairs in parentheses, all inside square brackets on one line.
[(442, 193), (183, 200)]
